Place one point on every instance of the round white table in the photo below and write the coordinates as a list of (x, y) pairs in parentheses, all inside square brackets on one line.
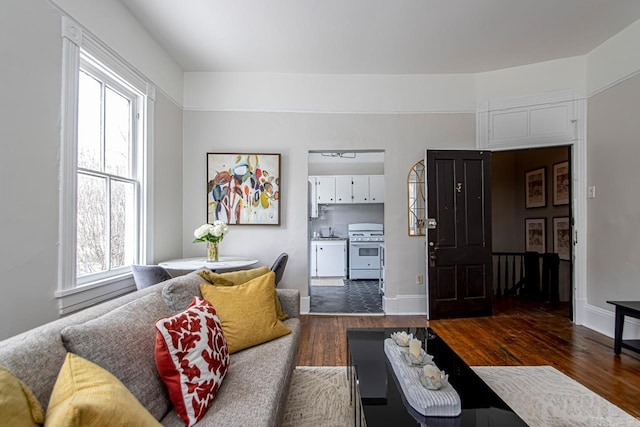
[(225, 263)]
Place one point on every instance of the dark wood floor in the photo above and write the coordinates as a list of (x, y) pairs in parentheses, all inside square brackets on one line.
[(518, 334)]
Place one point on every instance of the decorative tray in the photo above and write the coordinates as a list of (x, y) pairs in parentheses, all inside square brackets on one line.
[(444, 402)]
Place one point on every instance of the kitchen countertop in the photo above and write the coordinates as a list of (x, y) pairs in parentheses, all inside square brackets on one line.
[(322, 239)]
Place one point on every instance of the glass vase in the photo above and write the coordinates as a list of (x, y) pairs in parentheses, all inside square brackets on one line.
[(212, 251)]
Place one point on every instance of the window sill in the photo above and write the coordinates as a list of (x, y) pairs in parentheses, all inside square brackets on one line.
[(70, 300)]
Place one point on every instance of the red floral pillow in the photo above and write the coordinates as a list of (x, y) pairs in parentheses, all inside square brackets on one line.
[(192, 358)]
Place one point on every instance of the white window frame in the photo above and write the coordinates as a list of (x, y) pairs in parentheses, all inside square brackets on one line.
[(81, 47)]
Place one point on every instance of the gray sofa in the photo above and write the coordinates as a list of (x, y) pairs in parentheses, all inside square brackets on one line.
[(119, 335)]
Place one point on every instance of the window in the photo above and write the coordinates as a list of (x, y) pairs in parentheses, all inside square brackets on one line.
[(107, 180), (104, 187)]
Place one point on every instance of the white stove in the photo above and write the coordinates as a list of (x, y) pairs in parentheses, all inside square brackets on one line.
[(364, 250)]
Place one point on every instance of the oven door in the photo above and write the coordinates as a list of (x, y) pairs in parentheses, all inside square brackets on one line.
[(364, 255)]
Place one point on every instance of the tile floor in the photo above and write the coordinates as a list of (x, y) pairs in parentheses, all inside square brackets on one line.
[(356, 296)]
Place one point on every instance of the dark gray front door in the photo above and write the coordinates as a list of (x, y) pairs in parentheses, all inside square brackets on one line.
[(459, 246)]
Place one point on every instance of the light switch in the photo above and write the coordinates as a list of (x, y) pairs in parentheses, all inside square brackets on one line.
[(591, 192)]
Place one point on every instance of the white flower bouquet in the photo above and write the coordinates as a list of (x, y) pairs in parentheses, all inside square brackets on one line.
[(213, 233)]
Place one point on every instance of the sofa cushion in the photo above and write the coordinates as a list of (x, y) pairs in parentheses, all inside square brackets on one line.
[(123, 342), (234, 278), (192, 358), (179, 291), (18, 405), (87, 395), (247, 311)]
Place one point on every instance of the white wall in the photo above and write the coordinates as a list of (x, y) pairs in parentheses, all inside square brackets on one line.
[(167, 181), (273, 112), (550, 76), (29, 133), (112, 23), (31, 50), (286, 102), (332, 93), (403, 137), (614, 214), (614, 60)]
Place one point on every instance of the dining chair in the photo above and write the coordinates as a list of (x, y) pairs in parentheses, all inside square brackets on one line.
[(148, 275), (279, 265)]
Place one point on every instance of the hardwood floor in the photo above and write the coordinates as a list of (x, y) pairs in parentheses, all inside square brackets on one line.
[(518, 334)]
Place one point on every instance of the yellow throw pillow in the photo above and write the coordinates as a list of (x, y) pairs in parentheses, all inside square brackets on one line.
[(246, 311), (234, 278), (87, 395), (237, 277), (18, 405)]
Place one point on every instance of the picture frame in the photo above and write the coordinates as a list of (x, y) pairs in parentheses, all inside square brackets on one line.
[(561, 183), (562, 237), (244, 188), (536, 188), (535, 235)]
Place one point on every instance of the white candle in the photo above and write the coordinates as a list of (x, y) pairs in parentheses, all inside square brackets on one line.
[(415, 348)]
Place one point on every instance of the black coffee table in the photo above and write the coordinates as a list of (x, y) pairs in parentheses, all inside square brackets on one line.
[(382, 402)]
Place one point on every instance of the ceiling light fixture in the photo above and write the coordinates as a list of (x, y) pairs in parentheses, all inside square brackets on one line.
[(340, 155)]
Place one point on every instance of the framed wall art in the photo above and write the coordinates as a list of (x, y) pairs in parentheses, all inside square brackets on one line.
[(562, 237), (244, 188), (535, 235), (536, 188), (561, 183)]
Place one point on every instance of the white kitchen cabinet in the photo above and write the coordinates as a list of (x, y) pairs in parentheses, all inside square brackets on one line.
[(326, 189), (329, 258), (343, 189), (360, 188), (376, 188)]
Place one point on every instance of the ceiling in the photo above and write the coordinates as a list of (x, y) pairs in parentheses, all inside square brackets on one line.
[(378, 36)]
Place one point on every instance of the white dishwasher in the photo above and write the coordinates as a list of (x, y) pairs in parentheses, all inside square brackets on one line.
[(329, 258)]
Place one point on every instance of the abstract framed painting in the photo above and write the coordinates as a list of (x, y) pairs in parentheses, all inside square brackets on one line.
[(536, 188), (535, 235), (244, 188)]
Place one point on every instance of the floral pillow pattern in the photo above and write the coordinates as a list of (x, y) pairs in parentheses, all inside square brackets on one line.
[(192, 358)]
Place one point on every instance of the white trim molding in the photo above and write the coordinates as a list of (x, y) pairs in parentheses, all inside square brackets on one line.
[(305, 305), (85, 296), (405, 305), (565, 110), (603, 321), (78, 45), (72, 34)]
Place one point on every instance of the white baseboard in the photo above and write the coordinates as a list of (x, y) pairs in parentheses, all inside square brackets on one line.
[(305, 305), (579, 311), (405, 305), (603, 321)]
